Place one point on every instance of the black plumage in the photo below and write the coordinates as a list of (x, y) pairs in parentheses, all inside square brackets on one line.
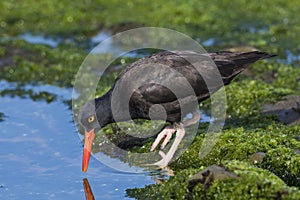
[(170, 79), (229, 65)]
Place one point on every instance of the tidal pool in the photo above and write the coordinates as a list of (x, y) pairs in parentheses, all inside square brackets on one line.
[(40, 155)]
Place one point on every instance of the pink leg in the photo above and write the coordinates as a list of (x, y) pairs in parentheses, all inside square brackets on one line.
[(167, 132), (166, 158)]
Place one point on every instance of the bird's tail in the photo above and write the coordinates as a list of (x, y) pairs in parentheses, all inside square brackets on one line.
[(231, 64), (246, 58)]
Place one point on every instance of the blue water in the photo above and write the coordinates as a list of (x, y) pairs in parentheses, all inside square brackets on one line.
[(40, 153), (40, 39)]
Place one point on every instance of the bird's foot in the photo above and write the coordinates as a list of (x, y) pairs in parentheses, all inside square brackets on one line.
[(166, 133), (166, 158)]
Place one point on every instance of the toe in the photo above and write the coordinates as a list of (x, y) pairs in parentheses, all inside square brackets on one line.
[(160, 136), (167, 139)]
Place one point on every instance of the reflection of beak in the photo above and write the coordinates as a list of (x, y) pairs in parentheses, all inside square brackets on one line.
[(88, 143), (88, 191)]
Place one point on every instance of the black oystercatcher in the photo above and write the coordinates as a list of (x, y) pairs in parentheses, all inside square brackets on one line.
[(148, 83)]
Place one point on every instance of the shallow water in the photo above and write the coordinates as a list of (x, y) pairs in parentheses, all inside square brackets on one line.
[(40, 155), (41, 152), (40, 39)]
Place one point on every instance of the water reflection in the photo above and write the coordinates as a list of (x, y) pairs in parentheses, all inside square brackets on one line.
[(40, 152), (87, 189)]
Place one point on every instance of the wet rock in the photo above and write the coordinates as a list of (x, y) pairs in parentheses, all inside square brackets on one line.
[(257, 157), (297, 151), (208, 176), (10, 53), (287, 110)]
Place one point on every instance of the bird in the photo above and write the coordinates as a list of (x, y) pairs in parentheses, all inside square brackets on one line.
[(166, 81)]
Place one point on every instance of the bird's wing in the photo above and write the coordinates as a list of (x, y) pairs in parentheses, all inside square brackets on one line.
[(163, 77), (168, 76)]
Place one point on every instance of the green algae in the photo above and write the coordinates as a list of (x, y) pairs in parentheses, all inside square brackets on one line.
[(277, 74), (28, 93), (263, 24), (246, 98), (246, 131), (253, 183), (236, 144), (39, 64), (285, 163), (271, 26)]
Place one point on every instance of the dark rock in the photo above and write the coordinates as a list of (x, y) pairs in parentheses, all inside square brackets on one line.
[(287, 110), (208, 175), (297, 151)]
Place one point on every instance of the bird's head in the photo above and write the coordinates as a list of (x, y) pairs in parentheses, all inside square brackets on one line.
[(88, 119)]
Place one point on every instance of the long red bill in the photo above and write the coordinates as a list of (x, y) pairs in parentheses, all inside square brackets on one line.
[(88, 143)]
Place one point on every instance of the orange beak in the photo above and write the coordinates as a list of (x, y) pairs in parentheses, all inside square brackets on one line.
[(88, 143)]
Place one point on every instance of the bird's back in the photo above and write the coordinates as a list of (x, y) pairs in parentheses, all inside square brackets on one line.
[(165, 77)]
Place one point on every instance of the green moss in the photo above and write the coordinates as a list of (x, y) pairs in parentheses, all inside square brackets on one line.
[(29, 93), (246, 98), (247, 95), (174, 188), (279, 75), (26, 63), (256, 23), (288, 77), (229, 22), (285, 163), (239, 143), (253, 183)]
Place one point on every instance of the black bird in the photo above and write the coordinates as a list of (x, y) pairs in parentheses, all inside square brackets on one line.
[(163, 81)]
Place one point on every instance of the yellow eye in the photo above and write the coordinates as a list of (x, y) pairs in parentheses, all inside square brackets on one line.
[(91, 119)]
